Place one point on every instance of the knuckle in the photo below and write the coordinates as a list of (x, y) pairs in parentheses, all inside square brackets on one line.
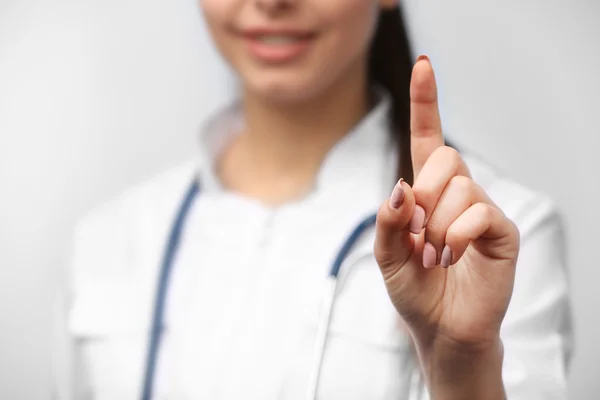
[(450, 156), (486, 211), (426, 194), (451, 233), (462, 184), (516, 232), (383, 215)]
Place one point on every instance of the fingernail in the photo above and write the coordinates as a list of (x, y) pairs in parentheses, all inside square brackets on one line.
[(397, 195), (446, 257), (423, 57), (429, 256), (418, 219)]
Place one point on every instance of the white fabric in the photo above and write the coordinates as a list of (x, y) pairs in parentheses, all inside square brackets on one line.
[(248, 279)]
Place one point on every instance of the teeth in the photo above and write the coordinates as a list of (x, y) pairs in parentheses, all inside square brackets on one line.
[(278, 39)]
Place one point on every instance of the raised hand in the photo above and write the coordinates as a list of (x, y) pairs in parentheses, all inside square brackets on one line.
[(446, 251)]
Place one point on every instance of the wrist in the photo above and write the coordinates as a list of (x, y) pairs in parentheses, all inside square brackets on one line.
[(457, 371)]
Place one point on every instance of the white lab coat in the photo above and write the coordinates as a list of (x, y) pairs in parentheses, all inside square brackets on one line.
[(242, 307)]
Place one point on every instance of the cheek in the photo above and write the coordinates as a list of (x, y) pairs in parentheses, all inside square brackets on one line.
[(217, 15), (352, 28), (345, 43), (355, 19)]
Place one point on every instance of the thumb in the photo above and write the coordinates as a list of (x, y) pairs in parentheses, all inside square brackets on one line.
[(393, 240)]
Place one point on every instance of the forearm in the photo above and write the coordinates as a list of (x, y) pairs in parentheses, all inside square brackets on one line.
[(456, 373)]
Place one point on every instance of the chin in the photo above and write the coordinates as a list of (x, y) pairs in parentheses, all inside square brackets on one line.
[(286, 89)]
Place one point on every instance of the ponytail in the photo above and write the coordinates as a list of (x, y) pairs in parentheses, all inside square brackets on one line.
[(390, 66)]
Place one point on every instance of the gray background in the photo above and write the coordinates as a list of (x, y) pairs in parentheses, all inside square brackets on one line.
[(98, 95)]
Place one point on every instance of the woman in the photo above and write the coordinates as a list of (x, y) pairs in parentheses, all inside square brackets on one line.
[(331, 115)]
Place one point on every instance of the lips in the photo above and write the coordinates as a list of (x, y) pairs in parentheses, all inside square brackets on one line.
[(289, 33), (277, 45)]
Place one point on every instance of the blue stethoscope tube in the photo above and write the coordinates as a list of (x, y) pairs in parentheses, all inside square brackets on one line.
[(163, 286)]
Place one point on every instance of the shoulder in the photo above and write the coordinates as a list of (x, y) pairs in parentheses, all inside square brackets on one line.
[(117, 248), (526, 207), (137, 217), (159, 191)]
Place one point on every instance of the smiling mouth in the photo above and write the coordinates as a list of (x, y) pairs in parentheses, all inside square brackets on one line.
[(277, 46)]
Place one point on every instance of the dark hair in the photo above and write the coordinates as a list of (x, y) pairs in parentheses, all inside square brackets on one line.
[(390, 66)]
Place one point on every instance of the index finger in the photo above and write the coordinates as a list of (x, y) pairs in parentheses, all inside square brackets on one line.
[(425, 121)]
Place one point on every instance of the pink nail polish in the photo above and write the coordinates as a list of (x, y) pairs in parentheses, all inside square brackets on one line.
[(446, 257), (397, 196), (417, 221), (429, 256)]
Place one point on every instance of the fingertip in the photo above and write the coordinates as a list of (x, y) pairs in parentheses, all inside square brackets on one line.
[(423, 57), (393, 242), (417, 222), (396, 211), (408, 190), (397, 196), (429, 256), (423, 83), (446, 258), (455, 247)]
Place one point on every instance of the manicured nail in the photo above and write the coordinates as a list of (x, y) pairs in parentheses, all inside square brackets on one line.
[(429, 256), (397, 196), (418, 219), (423, 57), (446, 257)]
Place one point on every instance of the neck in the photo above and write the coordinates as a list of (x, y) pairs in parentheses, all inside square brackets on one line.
[(280, 152)]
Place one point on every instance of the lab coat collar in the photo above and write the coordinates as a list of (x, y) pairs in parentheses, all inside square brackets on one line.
[(361, 158)]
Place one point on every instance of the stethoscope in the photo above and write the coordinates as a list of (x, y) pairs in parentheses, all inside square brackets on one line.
[(415, 390)]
